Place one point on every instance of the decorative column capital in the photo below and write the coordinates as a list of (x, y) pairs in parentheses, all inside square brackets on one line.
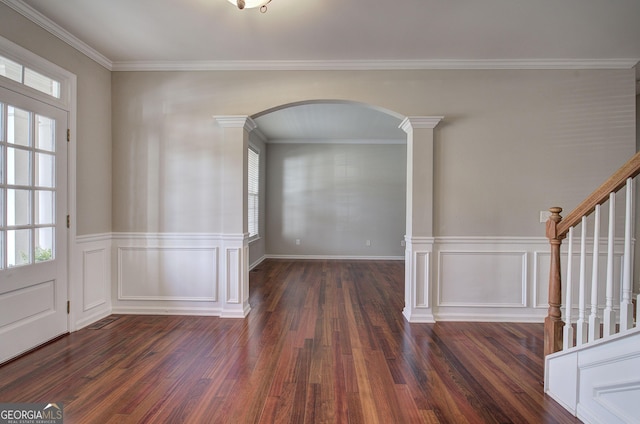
[(412, 122), (236, 121)]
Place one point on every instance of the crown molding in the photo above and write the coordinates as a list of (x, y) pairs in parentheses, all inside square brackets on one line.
[(360, 65), (53, 28)]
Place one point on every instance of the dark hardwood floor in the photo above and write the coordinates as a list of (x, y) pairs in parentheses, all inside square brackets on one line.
[(325, 342)]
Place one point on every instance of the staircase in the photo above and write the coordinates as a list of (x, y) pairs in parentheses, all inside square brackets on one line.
[(592, 364)]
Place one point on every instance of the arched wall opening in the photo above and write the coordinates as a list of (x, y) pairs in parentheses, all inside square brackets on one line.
[(418, 235)]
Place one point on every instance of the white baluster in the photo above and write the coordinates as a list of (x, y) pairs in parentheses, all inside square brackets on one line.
[(581, 324), (594, 321), (626, 307), (609, 315), (567, 341)]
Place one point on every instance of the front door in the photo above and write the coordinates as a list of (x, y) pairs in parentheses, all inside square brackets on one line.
[(33, 233)]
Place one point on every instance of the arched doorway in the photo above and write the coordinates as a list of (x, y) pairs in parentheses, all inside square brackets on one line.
[(417, 137)]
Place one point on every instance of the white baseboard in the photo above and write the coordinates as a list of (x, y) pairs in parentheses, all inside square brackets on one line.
[(336, 257), (480, 316), (168, 310), (256, 263)]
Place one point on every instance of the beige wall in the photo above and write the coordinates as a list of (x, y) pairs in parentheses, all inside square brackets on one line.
[(513, 142), (335, 197), (93, 118)]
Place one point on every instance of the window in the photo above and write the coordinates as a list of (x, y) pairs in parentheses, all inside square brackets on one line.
[(27, 76), (253, 200)]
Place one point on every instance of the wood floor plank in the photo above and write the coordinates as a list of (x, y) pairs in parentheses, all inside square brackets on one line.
[(325, 342)]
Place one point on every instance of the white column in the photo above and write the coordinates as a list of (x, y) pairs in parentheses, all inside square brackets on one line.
[(234, 263), (419, 218)]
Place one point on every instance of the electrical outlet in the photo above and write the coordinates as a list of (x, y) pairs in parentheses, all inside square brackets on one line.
[(298, 242), (544, 216), (367, 243), (403, 243)]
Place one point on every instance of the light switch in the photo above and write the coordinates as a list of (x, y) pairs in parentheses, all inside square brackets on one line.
[(544, 216)]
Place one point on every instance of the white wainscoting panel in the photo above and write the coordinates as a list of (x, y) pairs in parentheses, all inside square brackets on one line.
[(90, 279), (180, 274), (167, 273), (95, 268), (418, 305), (236, 276), (496, 279), (423, 278), (233, 256), (485, 278), (455, 278)]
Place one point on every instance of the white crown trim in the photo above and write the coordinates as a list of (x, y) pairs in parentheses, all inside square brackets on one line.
[(347, 65), (48, 25)]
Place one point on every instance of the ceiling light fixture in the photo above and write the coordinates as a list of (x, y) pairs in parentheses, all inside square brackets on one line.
[(250, 4)]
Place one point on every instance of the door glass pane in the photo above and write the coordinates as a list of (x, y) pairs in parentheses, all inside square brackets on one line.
[(44, 244), (18, 126), (18, 207), (45, 133), (44, 207), (18, 247), (45, 173), (18, 166)]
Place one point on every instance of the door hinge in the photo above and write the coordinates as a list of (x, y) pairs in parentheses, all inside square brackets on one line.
[(68, 134), (68, 221), (68, 307)]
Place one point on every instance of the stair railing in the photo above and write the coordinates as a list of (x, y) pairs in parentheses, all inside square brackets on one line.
[(558, 334)]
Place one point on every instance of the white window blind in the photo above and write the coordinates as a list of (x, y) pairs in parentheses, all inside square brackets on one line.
[(253, 192)]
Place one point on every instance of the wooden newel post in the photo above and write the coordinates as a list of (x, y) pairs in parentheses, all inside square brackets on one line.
[(553, 323)]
